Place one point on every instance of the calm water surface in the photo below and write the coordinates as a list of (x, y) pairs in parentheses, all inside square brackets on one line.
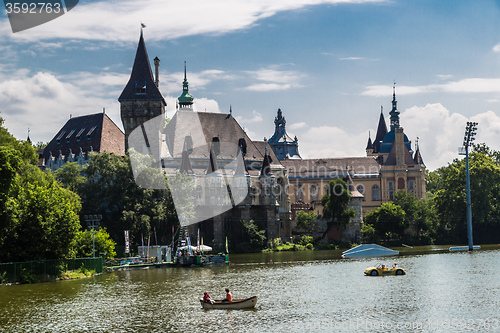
[(298, 292)]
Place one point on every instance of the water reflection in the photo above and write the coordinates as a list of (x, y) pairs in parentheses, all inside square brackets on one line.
[(306, 291)]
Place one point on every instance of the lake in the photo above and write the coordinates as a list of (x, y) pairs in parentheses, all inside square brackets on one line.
[(312, 291)]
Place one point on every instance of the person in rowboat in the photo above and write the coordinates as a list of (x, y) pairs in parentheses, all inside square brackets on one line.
[(229, 297), (207, 298)]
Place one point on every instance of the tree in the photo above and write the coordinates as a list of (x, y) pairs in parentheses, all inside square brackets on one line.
[(387, 221), (253, 237), (69, 175), (335, 203), (44, 217), (450, 199), (112, 191), (419, 220), (305, 221), (83, 244), (38, 218)]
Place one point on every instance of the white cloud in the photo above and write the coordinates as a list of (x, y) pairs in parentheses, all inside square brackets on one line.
[(296, 126), (274, 79), (469, 85), (255, 118), (205, 104), (118, 20), (44, 102), (496, 48)]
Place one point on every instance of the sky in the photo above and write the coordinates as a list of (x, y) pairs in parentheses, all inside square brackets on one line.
[(329, 65)]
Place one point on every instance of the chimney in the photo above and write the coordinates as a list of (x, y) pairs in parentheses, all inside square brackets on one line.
[(157, 72)]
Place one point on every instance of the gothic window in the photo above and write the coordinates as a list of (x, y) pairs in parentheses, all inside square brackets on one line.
[(199, 192), (361, 189), (299, 193), (410, 184), (314, 192), (215, 145), (243, 146), (391, 186), (375, 193), (401, 183)]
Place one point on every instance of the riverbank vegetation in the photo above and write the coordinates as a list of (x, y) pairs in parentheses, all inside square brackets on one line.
[(441, 217)]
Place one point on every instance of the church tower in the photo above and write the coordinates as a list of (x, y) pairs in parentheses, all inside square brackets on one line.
[(141, 99)]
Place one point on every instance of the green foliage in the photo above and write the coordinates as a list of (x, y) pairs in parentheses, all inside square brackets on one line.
[(335, 203), (27, 276), (83, 244), (450, 199), (388, 221), (253, 237), (38, 218), (305, 240), (69, 175), (111, 188), (306, 221)]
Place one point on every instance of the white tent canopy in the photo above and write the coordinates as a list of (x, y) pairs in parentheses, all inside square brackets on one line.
[(203, 248)]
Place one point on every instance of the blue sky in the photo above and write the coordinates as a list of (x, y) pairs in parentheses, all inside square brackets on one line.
[(329, 65)]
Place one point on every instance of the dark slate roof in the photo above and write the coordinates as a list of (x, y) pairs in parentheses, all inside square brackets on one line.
[(262, 146), (141, 75), (381, 132), (95, 132), (418, 157), (388, 142), (212, 125), (266, 166), (332, 167), (391, 159), (369, 145)]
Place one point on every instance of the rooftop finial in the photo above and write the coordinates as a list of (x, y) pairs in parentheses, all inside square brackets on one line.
[(230, 109), (142, 27)]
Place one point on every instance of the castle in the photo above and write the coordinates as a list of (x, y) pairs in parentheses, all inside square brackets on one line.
[(268, 179)]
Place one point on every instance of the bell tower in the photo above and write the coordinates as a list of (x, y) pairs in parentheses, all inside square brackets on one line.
[(141, 99)]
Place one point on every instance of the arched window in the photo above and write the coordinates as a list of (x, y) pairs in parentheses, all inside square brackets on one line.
[(299, 193), (375, 193), (314, 192), (361, 189)]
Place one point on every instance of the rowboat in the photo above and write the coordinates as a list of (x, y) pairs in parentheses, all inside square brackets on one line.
[(246, 303)]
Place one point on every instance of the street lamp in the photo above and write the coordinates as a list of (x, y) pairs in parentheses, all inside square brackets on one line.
[(93, 223), (470, 131)]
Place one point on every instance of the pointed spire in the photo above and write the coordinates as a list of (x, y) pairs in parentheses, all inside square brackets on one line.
[(213, 166), (185, 162), (369, 145), (266, 165), (241, 168), (185, 99), (28, 139), (141, 85), (381, 132), (394, 112)]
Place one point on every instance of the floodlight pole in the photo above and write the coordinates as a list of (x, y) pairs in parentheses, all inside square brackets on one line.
[(468, 138), (93, 223)]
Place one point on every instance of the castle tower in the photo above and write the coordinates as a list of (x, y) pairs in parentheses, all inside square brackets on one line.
[(284, 146), (141, 99)]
